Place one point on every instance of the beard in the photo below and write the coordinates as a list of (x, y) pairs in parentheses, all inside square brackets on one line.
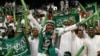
[(49, 31)]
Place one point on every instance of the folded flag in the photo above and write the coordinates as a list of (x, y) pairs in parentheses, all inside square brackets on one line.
[(19, 43)]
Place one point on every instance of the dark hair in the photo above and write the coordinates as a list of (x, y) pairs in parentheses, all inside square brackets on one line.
[(52, 26), (76, 31), (34, 29), (67, 54), (10, 33), (84, 25)]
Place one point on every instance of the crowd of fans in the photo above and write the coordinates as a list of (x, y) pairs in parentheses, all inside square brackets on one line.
[(72, 36)]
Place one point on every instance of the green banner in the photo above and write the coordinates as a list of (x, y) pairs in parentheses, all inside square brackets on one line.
[(19, 43), (60, 19), (91, 9)]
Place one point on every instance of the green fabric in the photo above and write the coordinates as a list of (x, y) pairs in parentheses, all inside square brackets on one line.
[(73, 10), (52, 52), (59, 19), (93, 7), (90, 8), (43, 39), (19, 43), (56, 44), (45, 44), (1, 47)]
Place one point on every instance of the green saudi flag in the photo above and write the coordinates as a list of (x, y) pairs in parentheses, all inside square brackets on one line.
[(60, 19), (18, 43), (92, 8)]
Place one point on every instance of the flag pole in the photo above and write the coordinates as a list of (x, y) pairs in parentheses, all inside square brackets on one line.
[(96, 17), (82, 7), (14, 15), (25, 13), (87, 19), (26, 19), (80, 51)]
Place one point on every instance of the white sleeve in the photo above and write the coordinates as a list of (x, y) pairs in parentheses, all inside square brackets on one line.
[(72, 27), (73, 35), (60, 31), (35, 23), (31, 24), (91, 47)]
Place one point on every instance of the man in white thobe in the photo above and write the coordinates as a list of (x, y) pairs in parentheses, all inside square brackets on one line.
[(78, 42), (92, 42)]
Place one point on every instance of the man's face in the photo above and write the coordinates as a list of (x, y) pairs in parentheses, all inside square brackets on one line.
[(91, 32), (66, 23), (71, 20), (80, 34), (35, 32), (50, 27)]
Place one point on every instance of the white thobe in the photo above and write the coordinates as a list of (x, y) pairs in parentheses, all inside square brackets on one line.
[(91, 46), (66, 39), (77, 43), (97, 42), (34, 47), (65, 43)]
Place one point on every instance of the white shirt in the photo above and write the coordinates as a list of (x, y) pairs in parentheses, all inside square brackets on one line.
[(91, 46), (34, 47), (65, 43), (77, 43), (97, 42)]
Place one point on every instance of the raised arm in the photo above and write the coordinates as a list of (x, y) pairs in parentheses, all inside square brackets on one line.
[(34, 22), (64, 30)]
